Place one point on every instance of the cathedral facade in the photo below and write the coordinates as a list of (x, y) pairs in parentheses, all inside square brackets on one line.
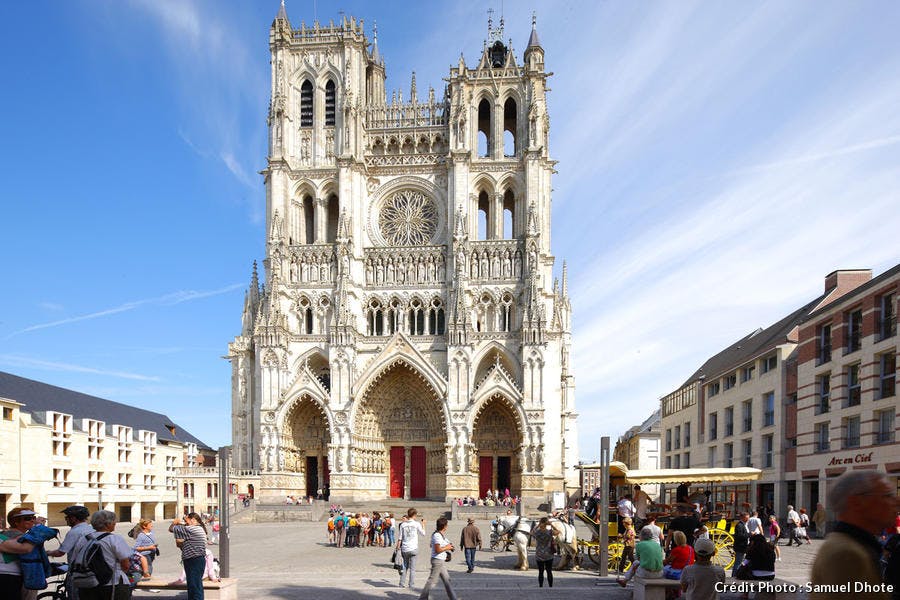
[(410, 339)]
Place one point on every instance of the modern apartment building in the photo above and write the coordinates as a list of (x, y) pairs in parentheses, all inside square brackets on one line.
[(755, 403), (60, 447), (847, 388)]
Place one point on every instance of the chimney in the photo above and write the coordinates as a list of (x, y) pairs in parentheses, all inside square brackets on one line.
[(838, 283)]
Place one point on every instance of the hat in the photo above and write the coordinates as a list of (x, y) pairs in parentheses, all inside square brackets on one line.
[(704, 547), (18, 512), (79, 512)]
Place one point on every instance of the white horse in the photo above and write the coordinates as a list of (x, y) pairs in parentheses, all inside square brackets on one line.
[(519, 529)]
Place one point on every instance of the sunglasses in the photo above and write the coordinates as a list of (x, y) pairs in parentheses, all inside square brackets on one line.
[(28, 518)]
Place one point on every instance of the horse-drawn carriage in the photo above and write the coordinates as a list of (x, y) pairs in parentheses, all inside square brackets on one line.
[(719, 521)]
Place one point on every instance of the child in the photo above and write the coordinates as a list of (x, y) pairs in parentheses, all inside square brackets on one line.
[(627, 538), (699, 579)]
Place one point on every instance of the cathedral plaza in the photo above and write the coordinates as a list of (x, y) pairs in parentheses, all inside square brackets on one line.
[(411, 334)]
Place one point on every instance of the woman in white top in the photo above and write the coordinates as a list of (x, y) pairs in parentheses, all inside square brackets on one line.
[(441, 548)]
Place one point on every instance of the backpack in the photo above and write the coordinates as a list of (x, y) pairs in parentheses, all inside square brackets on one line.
[(339, 523), (90, 568)]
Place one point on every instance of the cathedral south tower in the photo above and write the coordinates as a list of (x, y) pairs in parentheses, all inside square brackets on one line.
[(409, 339)]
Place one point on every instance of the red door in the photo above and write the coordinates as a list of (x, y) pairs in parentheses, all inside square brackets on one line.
[(417, 472), (485, 474), (398, 465)]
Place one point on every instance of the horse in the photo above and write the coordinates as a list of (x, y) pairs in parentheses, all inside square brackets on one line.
[(519, 529)]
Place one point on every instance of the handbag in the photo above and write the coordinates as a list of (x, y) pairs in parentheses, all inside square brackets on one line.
[(449, 555), (179, 542)]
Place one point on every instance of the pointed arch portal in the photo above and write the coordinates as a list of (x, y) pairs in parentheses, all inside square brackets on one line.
[(399, 431), (498, 439), (305, 439)]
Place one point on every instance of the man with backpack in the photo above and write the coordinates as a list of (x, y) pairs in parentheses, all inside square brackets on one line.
[(100, 569), (340, 526)]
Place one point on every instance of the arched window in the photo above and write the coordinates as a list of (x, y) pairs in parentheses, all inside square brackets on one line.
[(329, 103), (375, 318), (324, 314), (416, 318), (510, 115), (484, 216), (333, 212), (309, 229), (506, 313), (486, 317), (306, 316), (484, 128), (306, 104), (509, 216), (393, 317), (436, 318)]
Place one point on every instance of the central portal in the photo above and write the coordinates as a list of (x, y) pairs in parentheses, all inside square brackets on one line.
[(398, 436)]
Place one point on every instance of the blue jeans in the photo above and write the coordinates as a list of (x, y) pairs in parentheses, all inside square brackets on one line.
[(738, 559), (193, 572), (470, 558)]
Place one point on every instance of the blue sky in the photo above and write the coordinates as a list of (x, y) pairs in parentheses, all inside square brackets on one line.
[(717, 159)]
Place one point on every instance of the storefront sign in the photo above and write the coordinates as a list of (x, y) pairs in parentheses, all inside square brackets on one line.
[(849, 460)]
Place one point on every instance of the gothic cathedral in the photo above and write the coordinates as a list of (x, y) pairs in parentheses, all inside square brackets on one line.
[(410, 340)]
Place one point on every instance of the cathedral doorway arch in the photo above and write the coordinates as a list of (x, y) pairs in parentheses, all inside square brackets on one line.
[(399, 434), (305, 439), (497, 437)]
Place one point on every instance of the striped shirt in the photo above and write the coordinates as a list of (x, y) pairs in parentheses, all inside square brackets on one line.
[(194, 537)]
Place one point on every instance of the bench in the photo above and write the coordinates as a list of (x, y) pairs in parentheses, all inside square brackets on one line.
[(224, 589), (653, 589)]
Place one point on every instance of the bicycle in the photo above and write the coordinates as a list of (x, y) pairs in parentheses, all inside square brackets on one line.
[(61, 572)]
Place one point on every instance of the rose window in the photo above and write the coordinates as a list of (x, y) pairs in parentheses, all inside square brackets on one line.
[(408, 218)]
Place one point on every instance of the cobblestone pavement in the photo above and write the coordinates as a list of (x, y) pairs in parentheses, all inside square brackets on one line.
[(293, 560)]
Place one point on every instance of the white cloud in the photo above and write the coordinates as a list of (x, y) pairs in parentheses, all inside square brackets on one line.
[(34, 363)]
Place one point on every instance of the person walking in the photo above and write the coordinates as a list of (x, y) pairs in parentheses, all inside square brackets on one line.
[(864, 504), (441, 548), (793, 522), (192, 532), (628, 539), (741, 541), (544, 549), (470, 540), (774, 534), (408, 534), (819, 518)]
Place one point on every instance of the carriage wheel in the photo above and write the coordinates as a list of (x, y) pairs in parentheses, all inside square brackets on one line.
[(615, 553), (724, 548)]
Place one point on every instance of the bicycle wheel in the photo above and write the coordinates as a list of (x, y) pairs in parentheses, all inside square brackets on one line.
[(53, 595)]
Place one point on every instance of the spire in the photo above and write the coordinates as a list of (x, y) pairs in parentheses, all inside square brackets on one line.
[(343, 228), (534, 41), (413, 96), (282, 14), (565, 280), (376, 56)]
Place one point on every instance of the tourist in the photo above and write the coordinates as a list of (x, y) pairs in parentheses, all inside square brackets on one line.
[(864, 503), (117, 555), (388, 527), (628, 541), (680, 556), (774, 534), (544, 549), (741, 541), (330, 529), (469, 541), (686, 522), (793, 522), (803, 530), (754, 524), (20, 521), (77, 519), (408, 544), (441, 548), (819, 518), (624, 509), (759, 562), (365, 529), (649, 559), (657, 531), (700, 580), (192, 532), (145, 546)]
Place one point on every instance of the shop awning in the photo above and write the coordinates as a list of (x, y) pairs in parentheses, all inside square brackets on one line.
[(692, 475)]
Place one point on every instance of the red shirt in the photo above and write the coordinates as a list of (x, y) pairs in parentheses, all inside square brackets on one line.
[(681, 556)]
